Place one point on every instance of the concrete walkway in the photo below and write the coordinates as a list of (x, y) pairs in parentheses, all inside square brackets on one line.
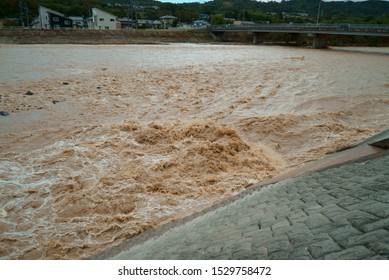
[(337, 213)]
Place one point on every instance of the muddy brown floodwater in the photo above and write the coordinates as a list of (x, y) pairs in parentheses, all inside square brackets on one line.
[(111, 141)]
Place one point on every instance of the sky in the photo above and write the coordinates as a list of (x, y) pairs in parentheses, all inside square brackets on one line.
[(201, 1)]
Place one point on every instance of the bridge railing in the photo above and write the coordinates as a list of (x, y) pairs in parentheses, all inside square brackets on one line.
[(384, 28)]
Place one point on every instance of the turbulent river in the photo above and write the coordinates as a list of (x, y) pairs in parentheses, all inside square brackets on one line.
[(105, 142)]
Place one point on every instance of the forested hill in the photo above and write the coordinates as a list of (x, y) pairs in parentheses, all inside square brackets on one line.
[(237, 9)]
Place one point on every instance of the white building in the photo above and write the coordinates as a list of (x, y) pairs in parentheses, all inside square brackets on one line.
[(50, 19), (103, 21)]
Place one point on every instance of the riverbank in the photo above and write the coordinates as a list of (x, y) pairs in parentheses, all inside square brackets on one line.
[(164, 36), (35, 36)]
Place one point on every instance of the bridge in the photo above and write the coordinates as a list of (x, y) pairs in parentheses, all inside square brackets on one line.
[(319, 32)]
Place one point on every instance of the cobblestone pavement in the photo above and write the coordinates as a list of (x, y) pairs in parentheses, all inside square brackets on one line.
[(338, 213)]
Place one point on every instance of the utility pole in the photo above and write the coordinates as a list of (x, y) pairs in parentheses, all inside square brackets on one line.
[(21, 12), (26, 9), (318, 14)]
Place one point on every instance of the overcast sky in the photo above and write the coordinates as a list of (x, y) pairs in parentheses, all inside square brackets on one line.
[(187, 1)]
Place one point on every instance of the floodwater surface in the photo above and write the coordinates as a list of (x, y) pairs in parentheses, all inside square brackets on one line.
[(105, 142)]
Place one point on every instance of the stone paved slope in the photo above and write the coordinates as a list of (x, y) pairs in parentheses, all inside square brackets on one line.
[(338, 213)]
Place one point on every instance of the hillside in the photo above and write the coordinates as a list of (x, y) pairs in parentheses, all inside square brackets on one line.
[(372, 11)]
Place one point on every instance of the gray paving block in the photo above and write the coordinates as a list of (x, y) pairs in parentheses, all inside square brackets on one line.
[(312, 207), (268, 220), (359, 218), (377, 208), (381, 195), (278, 244), (354, 253), (381, 248), (380, 183), (380, 224), (300, 254), (334, 212), (213, 249), (242, 255), (342, 234), (295, 205), (338, 193), (238, 245), (257, 214), (326, 199), (347, 201), (324, 229), (259, 253), (280, 225), (316, 220), (322, 248), (367, 238), (279, 255), (297, 217), (378, 257)]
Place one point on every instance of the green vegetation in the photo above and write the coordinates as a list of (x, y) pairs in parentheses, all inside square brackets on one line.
[(299, 11)]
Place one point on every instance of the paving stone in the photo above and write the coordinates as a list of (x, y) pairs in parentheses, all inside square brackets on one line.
[(359, 218), (338, 193), (279, 255), (312, 207), (238, 245), (278, 244), (342, 234), (354, 253), (244, 222), (297, 217), (322, 248), (300, 235), (378, 257), (295, 205), (324, 229), (326, 199), (361, 193), (282, 212), (367, 238), (380, 183), (346, 201), (380, 224), (268, 221), (381, 248), (215, 249), (334, 212), (259, 253), (309, 197), (257, 214), (316, 220), (300, 254), (377, 208), (381, 195), (283, 224)]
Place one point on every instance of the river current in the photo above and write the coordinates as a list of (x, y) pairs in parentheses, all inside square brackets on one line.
[(105, 142)]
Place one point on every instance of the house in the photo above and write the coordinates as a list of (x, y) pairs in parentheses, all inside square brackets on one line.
[(79, 22), (200, 23), (168, 21), (127, 23), (103, 21), (50, 19)]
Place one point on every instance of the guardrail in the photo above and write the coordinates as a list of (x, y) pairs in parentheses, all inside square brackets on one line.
[(342, 27)]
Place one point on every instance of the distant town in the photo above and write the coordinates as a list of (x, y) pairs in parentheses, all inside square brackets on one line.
[(150, 14), (100, 20)]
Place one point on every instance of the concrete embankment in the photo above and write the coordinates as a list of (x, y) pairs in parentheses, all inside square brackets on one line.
[(34, 36)]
